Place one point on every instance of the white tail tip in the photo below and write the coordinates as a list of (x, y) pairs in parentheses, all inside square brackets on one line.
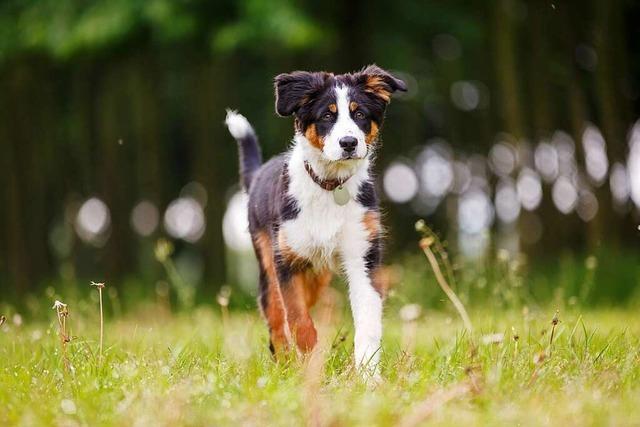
[(238, 124)]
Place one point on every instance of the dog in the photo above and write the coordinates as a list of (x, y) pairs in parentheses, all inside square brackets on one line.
[(313, 210)]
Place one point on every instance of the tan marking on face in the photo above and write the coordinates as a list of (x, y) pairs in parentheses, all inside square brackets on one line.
[(353, 106), (274, 313), (375, 84), (333, 108), (371, 137), (312, 135)]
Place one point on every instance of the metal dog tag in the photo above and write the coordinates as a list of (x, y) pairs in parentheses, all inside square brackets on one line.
[(341, 195)]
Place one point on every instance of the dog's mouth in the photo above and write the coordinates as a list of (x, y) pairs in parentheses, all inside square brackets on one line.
[(348, 156)]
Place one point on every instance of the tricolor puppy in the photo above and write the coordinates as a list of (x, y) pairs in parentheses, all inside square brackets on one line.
[(313, 210)]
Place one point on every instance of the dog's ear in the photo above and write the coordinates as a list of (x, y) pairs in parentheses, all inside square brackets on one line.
[(295, 89), (380, 82)]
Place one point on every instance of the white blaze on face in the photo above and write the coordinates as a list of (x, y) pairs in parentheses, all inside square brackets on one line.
[(344, 126)]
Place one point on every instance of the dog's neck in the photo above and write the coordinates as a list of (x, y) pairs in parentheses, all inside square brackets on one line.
[(325, 169)]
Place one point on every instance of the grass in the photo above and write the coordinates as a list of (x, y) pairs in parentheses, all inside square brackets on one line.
[(531, 350), (160, 368)]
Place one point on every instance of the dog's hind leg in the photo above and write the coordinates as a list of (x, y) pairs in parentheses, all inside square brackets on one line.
[(270, 299)]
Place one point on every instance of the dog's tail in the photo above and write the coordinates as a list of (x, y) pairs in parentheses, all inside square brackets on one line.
[(250, 155)]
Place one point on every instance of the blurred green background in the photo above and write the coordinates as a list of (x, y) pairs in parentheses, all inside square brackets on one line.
[(516, 136)]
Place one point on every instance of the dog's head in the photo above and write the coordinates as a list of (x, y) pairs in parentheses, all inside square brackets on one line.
[(340, 115)]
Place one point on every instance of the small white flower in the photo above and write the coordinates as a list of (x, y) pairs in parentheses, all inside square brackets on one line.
[(495, 338), (410, 312), (68, 406), (58, 305), (97, 285)]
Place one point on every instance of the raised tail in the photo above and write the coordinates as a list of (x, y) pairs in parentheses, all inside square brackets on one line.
[(250, 155)]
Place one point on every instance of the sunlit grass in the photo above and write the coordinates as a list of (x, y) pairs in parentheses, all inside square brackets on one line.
[(163, 369)]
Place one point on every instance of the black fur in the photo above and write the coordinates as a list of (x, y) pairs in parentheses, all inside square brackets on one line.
[(308, 95), (373, 257), (367, 195), (293, 89), (290, 208), (269, 203), (250, 157)]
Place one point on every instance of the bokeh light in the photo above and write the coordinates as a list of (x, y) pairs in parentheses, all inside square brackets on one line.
[(546, 161), (400, 182), (235, 225), (595, 153), (475, 212), (587, 207), (466, 95), (633, 165), (564, 195), (502, 158), (436, 171), (145, 218), (184, 219), (529, 189), (565, 147), (93, 221), (507, 203), (461, 177), (619, 184), (197, 192)]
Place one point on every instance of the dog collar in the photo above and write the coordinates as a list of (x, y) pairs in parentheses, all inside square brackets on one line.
[(327, 184), (340, 194)]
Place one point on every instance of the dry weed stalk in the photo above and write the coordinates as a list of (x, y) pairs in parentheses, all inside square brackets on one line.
[(185, 292), (541, 357), (431, 239), (100, 287), (2, 320), (62, 312), (554, 323), (440, 398), (223, 297)]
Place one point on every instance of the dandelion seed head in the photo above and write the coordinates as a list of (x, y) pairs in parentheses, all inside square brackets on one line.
[(58, 305)]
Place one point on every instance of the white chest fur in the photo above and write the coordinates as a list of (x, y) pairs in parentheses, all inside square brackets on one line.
[(321, 227)]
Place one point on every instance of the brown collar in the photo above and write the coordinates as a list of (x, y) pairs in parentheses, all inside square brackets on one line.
[(327, 184)]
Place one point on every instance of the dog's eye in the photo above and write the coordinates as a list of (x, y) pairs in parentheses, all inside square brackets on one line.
[(327, 117), (359, 115)]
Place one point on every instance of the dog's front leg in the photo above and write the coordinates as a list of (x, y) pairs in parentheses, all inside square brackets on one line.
[(366, 303)]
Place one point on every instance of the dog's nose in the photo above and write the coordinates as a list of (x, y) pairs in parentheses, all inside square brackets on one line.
[(348, 143)]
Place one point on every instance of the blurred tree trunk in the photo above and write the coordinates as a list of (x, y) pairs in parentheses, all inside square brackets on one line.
[(212, 151), (612, 108), (505, 35), (578, 107), (509, 96), (146, 133), (113, 166), (18, 262), (538, 71)]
